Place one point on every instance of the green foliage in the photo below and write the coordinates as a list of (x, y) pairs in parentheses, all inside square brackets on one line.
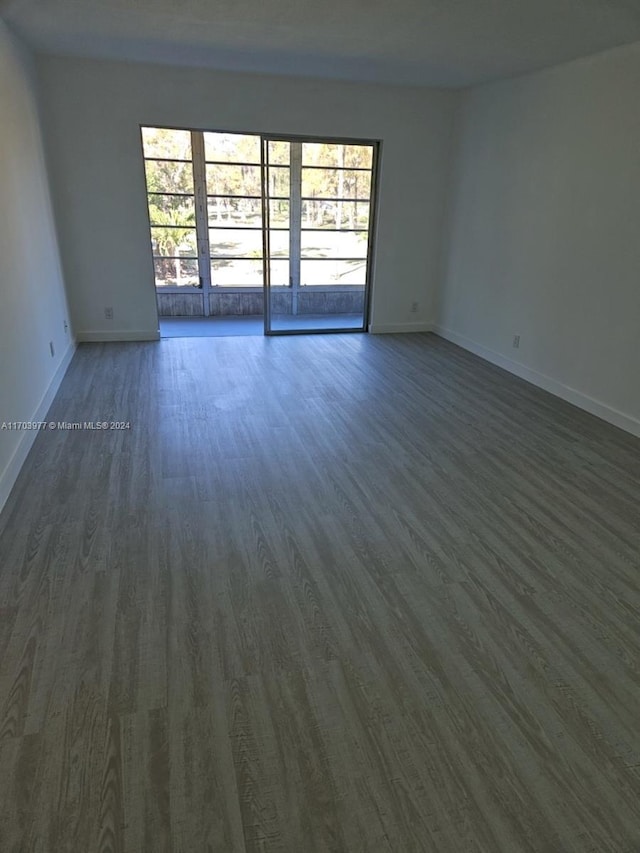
[(170, 240), (172, 216)]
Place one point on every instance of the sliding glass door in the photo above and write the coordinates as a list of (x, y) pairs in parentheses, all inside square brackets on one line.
[(324, 222), (243, 224)]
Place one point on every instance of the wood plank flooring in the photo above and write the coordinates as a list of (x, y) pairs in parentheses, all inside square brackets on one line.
[(332, 593)]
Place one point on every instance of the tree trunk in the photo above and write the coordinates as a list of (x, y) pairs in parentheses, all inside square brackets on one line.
[(340, 186)]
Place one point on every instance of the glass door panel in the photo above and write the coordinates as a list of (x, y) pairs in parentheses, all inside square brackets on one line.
[(233, 178), (280, 211), (318, 206)]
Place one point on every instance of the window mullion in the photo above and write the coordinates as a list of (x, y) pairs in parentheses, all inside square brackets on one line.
[(202, 216), (295, 220)]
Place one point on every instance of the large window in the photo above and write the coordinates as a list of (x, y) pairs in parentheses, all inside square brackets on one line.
[(172, 215), (234, 209), (216, 200)]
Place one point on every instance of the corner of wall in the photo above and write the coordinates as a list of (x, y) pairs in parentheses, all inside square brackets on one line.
[(448, 204), (9, 476), (583, 401), (34, 324)]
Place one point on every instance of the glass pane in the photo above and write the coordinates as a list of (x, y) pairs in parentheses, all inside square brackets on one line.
[(171, 210), (333, 244), (335, 183), (278, 214), (176, 272), (358, 156), (319, 272), (236, 273), (164, 176), (335, 154), (322, 154), (232, 147), (161, 142), (174, 241), (235, 211), (279, 153), (239, 242), (334, 215), (233, 180), (279, 243), (279, 273), (283, 320), (278, 181)]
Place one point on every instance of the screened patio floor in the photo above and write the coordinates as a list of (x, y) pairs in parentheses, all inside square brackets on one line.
[(204, 327)]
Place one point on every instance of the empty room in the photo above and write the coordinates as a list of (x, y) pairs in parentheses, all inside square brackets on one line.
[(319, 426)]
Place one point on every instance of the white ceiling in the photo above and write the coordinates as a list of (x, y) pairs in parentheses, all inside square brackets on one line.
[(423, 42)]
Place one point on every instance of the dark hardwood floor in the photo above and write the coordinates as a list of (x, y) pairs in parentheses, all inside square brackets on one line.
[(333, 593)]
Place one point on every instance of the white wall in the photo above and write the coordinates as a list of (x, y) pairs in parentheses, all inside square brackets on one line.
[(93, 110), (544, 236), (33, 307)]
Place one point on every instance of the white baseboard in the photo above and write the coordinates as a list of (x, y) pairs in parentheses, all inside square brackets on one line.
[(394, 328), (565, 392), (122, 335), (27, 437)]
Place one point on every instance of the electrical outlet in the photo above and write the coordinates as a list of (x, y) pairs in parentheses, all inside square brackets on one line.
[(108, 313), (52, 349), (516, 341), (414, 307)]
